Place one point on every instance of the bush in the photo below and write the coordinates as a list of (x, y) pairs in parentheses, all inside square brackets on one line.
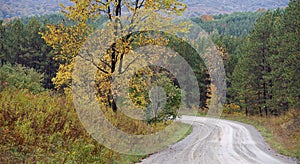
[(156, 94), (19, 77)]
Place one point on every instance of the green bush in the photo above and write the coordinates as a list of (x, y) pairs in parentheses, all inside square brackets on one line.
[(19, 77), (156, 94)]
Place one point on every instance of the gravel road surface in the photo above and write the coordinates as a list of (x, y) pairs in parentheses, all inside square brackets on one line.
[(215, 141)]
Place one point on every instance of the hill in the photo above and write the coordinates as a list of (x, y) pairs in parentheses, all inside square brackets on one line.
[(18, 8)]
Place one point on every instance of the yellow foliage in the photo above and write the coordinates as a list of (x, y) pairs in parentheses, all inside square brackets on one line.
[(63, 76), (207, 18)]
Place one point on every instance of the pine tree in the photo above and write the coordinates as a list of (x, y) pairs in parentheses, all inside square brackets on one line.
[(286, 60), (254, 68), (243, 84)]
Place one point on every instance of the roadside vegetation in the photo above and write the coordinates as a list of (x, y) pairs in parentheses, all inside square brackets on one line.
[(42, 125)]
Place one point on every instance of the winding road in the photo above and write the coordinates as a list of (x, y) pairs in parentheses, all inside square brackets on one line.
[(215, 141)]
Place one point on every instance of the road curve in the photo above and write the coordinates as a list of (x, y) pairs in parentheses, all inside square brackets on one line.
[(216, 141)]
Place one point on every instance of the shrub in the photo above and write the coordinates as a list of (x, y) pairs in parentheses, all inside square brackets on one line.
[(156, 94), (19, 77)]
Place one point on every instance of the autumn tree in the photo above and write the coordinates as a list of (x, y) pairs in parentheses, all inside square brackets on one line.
[(67, 40)]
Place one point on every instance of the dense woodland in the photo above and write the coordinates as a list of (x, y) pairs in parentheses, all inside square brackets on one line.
[(260, 50), (262, 58)]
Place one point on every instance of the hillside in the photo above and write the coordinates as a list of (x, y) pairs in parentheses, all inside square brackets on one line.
[(18, 8), (200, 7)]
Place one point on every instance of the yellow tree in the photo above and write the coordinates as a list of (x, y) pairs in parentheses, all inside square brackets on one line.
[(124, 17)]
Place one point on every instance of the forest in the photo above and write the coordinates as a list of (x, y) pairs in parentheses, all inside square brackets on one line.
[(38, 120)]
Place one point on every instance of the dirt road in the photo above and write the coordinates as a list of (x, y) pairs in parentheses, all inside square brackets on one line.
[(216, 141)]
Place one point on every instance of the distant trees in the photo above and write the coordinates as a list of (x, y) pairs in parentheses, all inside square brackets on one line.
[(236, 24), (207, 18), (20, 8)]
